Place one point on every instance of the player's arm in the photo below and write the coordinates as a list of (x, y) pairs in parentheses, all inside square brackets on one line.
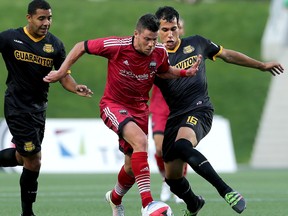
[(234, 57), (173, 72), (76, 52), (70, 84)]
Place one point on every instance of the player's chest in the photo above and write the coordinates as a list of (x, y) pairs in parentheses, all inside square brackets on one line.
[(25, 49), (140, 68)]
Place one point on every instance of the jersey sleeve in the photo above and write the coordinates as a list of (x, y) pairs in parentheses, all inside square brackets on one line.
[(164, 67), (211, 49), (61, 55), (3, 36), (98, 47)]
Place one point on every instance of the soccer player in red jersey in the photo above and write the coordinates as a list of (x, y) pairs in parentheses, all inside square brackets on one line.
[(133, 63)]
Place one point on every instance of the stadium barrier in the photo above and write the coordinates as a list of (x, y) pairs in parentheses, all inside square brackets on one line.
[(88, 146)]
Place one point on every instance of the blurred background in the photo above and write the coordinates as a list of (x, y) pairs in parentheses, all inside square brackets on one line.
[(238, 94)]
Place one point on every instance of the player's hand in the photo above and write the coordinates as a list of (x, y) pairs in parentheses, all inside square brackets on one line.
[(192, 71), (84, 91), (53, 76), (273, 67)]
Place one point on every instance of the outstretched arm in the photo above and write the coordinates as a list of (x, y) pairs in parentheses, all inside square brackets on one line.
[(238, 58), (173, 73), (70, 84), (77, 51)]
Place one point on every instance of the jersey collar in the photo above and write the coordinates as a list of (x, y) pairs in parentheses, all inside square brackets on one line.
[(176, 48), (31, 37)]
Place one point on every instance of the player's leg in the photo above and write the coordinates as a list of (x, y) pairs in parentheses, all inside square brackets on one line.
[(137, 138), (187, 138), (133, 140), (29, 182), (28, 132), (8, 158), (180, 186), (165, 190), (159, 119), (124, 183)]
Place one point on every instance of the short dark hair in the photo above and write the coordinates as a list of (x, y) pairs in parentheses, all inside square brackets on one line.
[(37, 4), (148, 21), (167, 13)]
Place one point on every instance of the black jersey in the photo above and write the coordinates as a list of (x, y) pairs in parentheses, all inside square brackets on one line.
[(28, 60), (189, 93)]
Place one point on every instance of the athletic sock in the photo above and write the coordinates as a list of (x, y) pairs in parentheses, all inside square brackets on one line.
[(8, 158), (201, 165), (182, 189), (140, 168), (29, 186), (124, 183), (160, 165)]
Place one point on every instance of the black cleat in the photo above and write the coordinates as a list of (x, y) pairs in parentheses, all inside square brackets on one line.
[(201, 202), (236, 201)]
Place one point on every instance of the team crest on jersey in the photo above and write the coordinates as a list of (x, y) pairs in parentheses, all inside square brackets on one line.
[(188, 49), (48, 48), (123, 112), (152, 68), (29, 146)]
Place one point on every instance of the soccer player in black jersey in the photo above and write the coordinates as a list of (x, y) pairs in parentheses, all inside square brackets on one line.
[(191, 111), (29, 54)]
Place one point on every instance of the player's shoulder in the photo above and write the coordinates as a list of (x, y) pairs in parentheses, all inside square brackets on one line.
[(159, 47), (53, 39), (118, 40), (12, 31), (193, 38)]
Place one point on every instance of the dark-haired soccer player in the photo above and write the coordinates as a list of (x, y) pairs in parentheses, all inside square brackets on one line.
[(29, 54), (159, 114), (133, 63), (191, 111)]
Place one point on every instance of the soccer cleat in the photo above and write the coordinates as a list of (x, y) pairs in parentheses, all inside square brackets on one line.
[(29, 215), (165, 192), (201, 202), (178, 200), (117, 210), (236, 201)]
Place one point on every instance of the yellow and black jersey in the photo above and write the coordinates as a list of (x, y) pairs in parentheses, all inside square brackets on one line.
[(28, 60), (189, 93)]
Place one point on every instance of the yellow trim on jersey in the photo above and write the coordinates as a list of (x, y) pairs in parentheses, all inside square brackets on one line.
[(31, 37), (217, 54), (176, 48)]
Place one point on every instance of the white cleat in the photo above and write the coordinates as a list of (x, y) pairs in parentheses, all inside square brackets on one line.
[(117, 210), (165, 192)]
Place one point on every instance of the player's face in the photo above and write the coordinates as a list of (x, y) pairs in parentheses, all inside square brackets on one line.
[(169, 33), (145, 41), (39, 23)]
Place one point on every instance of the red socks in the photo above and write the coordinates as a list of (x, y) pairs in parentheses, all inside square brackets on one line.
[(140, 167)]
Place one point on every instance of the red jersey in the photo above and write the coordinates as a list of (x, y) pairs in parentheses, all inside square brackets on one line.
[(158, 104), (130, 73)]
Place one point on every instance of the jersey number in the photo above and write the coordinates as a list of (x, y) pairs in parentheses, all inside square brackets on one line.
[(192, 120)]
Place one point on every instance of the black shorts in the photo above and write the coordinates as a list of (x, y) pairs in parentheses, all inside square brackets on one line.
[(199, 120), (27, 130)]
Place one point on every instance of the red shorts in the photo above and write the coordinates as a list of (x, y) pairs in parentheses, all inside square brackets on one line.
[(159, 111), (115, 116)]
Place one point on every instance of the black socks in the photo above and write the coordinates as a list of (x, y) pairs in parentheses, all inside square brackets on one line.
[(182, 189), (200, 165), (29, 186)]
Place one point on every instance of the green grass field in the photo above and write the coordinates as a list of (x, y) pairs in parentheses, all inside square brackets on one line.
[(265, 191)]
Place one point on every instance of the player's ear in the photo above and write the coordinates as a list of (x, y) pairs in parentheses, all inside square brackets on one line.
[(136, 33)]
